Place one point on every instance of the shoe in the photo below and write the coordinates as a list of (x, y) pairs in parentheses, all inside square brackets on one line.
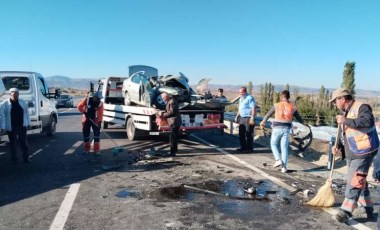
[(277, 163), (97, 154), (248, 151), (284, 170), (369, 212), (172, 154), (342, 216)]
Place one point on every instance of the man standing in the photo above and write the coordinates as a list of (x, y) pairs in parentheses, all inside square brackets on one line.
[(359, 143), (247, 114), (92, 110), (15, 120), (281, 126), (171, 114), (221, 99)]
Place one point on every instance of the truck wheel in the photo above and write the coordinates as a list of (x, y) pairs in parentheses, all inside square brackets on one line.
[(105, 125), (127, 99), (52, 127), (131, 130)]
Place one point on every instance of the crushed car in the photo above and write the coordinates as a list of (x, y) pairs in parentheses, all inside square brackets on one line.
[(141, 90)]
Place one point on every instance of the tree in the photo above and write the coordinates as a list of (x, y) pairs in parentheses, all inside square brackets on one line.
[(349, 77), (249, 87)]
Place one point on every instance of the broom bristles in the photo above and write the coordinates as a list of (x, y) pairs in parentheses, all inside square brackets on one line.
[(325, 196)]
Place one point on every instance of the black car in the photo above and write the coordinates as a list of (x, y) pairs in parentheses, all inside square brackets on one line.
[(65, 101)]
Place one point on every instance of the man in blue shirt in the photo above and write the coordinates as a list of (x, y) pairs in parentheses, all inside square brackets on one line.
[(246, 113)]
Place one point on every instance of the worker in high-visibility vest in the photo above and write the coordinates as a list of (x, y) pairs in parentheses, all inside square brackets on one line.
[(283, 111), (92, 110)]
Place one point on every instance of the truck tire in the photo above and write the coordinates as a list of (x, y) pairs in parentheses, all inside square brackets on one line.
[(127, 99), (131, 130), (105, 125), (52, 127)]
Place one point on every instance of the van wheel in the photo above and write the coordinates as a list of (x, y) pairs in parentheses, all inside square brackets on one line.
[(131, 130), (52, 127), (105, 125)]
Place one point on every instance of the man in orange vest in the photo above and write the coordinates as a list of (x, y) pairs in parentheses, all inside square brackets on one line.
[(92, 110), (358, 143), (283, 111)]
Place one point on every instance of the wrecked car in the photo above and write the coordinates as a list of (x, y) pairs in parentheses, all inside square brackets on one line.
[(141, 90)]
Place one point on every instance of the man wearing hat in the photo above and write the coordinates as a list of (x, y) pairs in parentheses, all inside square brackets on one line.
[(15, 120), (358, 142), (92, 110)]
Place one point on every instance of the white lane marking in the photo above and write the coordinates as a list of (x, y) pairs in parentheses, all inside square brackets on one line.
[(277, 181), (73, 148), (64, 111), (64, 210), (35, 153)]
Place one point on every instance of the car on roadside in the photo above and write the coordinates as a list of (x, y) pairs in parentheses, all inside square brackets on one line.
[(64, 101)]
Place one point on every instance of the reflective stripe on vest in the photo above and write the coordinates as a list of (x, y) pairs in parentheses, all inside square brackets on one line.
[(284, 111), (361, 141)]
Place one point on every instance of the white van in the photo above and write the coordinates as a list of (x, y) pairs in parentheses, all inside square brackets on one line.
[(35, 91)]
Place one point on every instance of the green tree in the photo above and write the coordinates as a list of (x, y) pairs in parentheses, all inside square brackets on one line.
[(349, 77), (249, 87)]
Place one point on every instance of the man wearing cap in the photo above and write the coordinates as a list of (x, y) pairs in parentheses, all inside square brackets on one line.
[(358, 142), (15, 120), (92, 110)]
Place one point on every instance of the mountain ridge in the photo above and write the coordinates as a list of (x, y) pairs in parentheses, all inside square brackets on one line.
[(84, 83)]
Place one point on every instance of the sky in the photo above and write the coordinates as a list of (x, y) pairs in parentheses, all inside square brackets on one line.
[(297, 42)]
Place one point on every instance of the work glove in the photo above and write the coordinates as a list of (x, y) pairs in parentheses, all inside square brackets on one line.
[(159, 113), (252, 121)]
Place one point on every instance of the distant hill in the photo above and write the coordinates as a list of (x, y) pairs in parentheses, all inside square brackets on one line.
[(67, 82), (84, 84)]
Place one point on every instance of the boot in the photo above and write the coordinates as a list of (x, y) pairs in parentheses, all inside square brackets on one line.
[(369, 212), (342, 216)]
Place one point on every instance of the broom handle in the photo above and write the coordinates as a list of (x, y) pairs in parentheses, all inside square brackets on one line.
[(335, 145)]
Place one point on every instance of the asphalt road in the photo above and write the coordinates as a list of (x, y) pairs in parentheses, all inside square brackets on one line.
[(201, 188)]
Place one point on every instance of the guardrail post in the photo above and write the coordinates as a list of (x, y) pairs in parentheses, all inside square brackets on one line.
[(331, 143)]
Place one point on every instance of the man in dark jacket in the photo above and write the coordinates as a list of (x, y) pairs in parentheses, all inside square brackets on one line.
[(359, 143), (171, 114)]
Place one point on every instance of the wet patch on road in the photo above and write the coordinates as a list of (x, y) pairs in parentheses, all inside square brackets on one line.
[(234, 198)]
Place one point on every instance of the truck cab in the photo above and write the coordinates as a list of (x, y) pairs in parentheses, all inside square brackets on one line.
[(35, 91)]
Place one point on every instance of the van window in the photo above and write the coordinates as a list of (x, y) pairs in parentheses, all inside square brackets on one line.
[(41, 86), (22, 83)]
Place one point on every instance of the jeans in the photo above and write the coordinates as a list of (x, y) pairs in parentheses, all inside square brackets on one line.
[(280, 136)]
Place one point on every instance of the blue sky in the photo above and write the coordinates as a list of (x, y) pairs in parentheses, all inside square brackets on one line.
[(297, 42)]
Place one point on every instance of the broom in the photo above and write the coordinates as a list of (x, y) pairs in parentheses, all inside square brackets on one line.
[(326, 196)]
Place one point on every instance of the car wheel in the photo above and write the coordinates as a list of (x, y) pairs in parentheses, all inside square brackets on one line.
[(159, 102), (131, 130), (52, 127), (127, 99)]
